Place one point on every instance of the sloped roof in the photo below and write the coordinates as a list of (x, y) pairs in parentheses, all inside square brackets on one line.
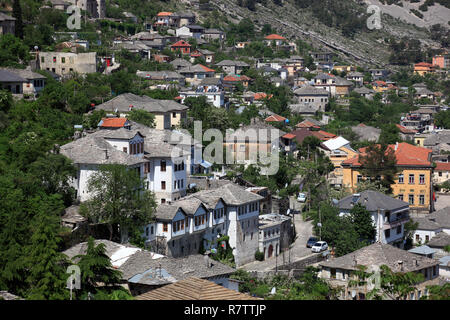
[(8, 76), (406, 154), (198, 68), (237, 63), (424, 250), (123, 102), (336, 143), (274, 37), (442, 166), (373, 201), (5, 17), (194, 289), (25, 73), (440, 240), (310, 90), (181, 43), (379, 254), (180, 62), (113, 122), (405, 130), (275, 118)]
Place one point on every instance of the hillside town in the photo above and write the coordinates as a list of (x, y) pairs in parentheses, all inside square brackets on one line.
[(168, 153)]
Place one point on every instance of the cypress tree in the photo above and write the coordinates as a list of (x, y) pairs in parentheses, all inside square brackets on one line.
[(17, 13)]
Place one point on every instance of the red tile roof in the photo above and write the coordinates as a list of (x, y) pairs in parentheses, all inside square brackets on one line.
[(323, 135), (206, 68), (423, 64), (406, 154), (405, 130), (442, 166), (274, 37), (181, 43), (164, 14), (289, 136), (113, 122), (262, 95), (306, 124), (231, 78), (275, 118)]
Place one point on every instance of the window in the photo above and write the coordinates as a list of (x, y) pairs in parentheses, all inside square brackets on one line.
[(400, 178), (411, 179), (400, 197), (434, 271), (151, 230), (422, 179), (174, 114), (163, 200), (63, 60), (421, 199), (333, 273), (125, 149), (411, 199), (399, 229), (387, 233), (42, 59), (440, 173), (163, 165), (147, 167), (163, 185), (427, 238), (54, 59), (146, 232), (359, 178), (165, 228), (417, 238)]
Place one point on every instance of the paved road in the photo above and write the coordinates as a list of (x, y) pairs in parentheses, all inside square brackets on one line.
[(442, 201), (298, 248)]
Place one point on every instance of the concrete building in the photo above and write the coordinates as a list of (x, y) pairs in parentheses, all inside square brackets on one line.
[(64, 63), (211, 88), (232, 66), (339, 271), (388, 214), (168, 113)]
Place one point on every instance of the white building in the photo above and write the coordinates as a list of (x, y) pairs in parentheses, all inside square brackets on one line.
[(35, 82), (270, 234), (389, 215), (198, 220), (431, 225), (161, 165), (211, 88)]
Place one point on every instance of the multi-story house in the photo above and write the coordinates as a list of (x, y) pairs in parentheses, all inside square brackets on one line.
[(274, 38), (432, 225), (196, 73), (441, 61), (357, 77), (336, 86), (313, 96), (161, 165), (198, 220), (232, 66), (64, 63), (414, 179), (416, 121), (35, 82), (11, 82), (275, 234), (388, 214), (441, 172), (183, 46), (423, 68), (339, 271), (338, 150), (379, 74), (211, 88), (213, 34), (168, 113), (190, 31)]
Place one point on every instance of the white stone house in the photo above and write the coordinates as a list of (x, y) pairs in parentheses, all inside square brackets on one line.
[(431, 225)]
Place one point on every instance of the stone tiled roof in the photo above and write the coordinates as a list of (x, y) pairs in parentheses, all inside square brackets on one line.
[(366, 132), (311, 91), (180, 62), (167, 211), (194, 289), (440, 240), (373, 201), (96, 150), (379, 254), (261, 131), (110, 248), (25, 73), (123, 102), (8, 76), (177, 268), (236, 63)]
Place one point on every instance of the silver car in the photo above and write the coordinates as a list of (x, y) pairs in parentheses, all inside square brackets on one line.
[(319, 246)]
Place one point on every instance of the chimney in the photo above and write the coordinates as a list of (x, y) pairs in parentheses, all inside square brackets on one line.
[(207, 260), (106, 154), (400, 263), (355, 262), (396, 146)]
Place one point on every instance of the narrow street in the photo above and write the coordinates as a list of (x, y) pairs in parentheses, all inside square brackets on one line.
[(298, 248)]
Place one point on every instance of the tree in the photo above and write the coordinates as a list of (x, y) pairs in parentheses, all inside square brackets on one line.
[(142, 117), (17, 13), (398, 285), (362, 221), (389, 134), (379, 164), (97, 273), (47, 273), (439, 292), (119, 198)]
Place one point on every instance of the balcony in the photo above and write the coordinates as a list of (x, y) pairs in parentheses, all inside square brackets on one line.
[(393, 223)]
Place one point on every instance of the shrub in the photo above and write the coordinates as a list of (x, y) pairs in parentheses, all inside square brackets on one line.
[(259, 255)]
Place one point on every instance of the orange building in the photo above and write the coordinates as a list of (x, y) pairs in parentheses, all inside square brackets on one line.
[(441, 61), (413, 182), (182, 46), (423, 68)]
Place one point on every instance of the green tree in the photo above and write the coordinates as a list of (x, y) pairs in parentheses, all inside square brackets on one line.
[(379, 164), (119, 200), (389, 134), (17, 13), (97, 273), (47, 274), (142, 117), (362, 221)]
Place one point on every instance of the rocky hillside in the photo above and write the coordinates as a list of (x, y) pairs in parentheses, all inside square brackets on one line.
[(367, 47)]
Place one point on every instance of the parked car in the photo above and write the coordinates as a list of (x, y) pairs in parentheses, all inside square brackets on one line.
[(301, 197), (319, 246), (311, 241)]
